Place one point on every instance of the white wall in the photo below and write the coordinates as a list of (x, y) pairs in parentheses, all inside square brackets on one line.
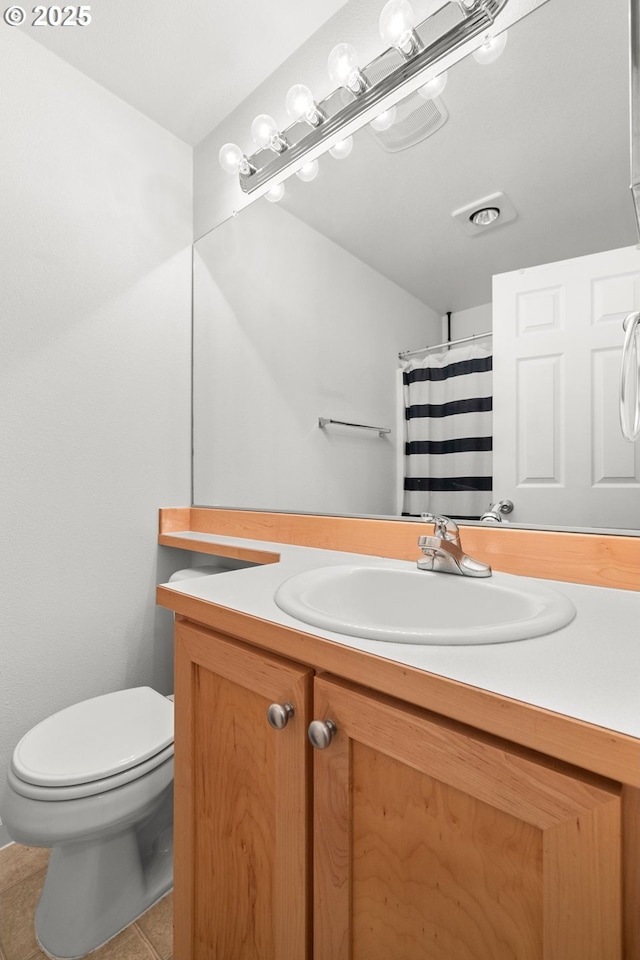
[(469, 323), (290, 327), (95, 266)]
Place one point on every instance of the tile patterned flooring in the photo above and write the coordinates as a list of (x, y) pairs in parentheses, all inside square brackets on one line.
[(22, 872)]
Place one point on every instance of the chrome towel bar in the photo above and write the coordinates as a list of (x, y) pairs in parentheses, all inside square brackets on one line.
[(325, 421)]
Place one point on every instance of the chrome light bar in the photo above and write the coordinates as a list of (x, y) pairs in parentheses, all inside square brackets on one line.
[(263, 165)]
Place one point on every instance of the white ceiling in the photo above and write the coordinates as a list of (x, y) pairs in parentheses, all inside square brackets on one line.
[(185, 64)]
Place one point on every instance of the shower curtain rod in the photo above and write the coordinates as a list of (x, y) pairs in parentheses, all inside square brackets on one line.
[(447, 343)]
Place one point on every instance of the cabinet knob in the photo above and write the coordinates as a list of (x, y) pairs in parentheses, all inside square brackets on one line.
[(321, 734), (279, 714)]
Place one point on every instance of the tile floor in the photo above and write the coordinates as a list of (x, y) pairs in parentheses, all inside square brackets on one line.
[(22, 871)]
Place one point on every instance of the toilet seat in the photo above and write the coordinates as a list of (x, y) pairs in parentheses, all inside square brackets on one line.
[(95, 745), (79, 790)]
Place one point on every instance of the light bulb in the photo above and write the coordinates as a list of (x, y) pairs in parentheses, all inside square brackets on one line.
[(485, 216), (230, 157), (309, 171), (265, 133), (301, 105), (342, 148), (491, 48), (275, 193), (344, 70), (396, 27), (433, 88), (263, 129), (384, 120)]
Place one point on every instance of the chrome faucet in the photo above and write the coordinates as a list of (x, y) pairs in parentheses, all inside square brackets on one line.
[(443, 552)]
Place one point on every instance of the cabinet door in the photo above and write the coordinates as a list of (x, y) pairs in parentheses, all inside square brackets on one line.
[(434, 842), (242, 807)]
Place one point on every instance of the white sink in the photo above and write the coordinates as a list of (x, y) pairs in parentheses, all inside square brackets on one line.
[(416, 606)]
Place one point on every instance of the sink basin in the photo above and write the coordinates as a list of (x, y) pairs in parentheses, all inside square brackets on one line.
[(416, 606)]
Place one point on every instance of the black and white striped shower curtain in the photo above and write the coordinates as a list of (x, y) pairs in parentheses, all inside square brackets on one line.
[(448, 399)]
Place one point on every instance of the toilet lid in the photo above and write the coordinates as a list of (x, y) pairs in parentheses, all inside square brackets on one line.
[(95, 738)]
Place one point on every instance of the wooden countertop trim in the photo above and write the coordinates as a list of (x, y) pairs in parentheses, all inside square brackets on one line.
[(174, 518), (590, 558), (585, 745), (219, 549)]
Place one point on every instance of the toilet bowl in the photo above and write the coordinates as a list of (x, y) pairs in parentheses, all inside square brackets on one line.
[(95, 783)]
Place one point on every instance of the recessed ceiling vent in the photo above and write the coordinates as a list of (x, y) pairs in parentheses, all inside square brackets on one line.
[(416, 118)]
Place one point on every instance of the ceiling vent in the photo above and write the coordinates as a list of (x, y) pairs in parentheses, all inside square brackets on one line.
[(416, 118)]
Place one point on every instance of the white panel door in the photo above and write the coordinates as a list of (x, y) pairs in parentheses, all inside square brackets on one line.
[(559, 453)]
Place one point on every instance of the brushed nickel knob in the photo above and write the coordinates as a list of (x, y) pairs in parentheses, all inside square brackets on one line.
[(321, 734), (279, 714)]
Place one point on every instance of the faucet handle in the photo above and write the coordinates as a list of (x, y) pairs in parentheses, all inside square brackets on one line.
[(428, 544), (444, 527)]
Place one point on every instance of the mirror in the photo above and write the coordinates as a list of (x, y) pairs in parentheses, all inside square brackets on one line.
[(301, 307)]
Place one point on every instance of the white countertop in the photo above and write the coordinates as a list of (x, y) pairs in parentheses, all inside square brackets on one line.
[(588, 670)]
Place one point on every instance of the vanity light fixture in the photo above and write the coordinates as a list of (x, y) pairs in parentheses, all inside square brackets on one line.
[(301, 105), (384, 120), (275, 193), (233, 160), (490, 49), (342, 148), (396, 27), (309, 171), (265, 134), (316, 126), (433, 88), (343, 69)]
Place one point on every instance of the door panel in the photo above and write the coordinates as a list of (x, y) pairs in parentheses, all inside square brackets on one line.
[(235, 772), (413, 839), (433, 842), (242, 803), (559, 453)]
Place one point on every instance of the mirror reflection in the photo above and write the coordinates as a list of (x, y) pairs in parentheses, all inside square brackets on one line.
[(302, 307)]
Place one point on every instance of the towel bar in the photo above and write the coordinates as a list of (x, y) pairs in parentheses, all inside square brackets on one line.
[(325, 421)]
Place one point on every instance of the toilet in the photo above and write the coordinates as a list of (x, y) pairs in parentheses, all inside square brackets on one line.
[(94, 782)]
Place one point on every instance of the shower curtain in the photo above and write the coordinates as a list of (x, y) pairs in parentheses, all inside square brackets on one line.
[(448, 432)]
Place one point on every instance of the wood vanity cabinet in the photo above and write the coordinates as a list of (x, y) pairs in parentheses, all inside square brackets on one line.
[(242, 790), (434, 841), (410, 837)]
